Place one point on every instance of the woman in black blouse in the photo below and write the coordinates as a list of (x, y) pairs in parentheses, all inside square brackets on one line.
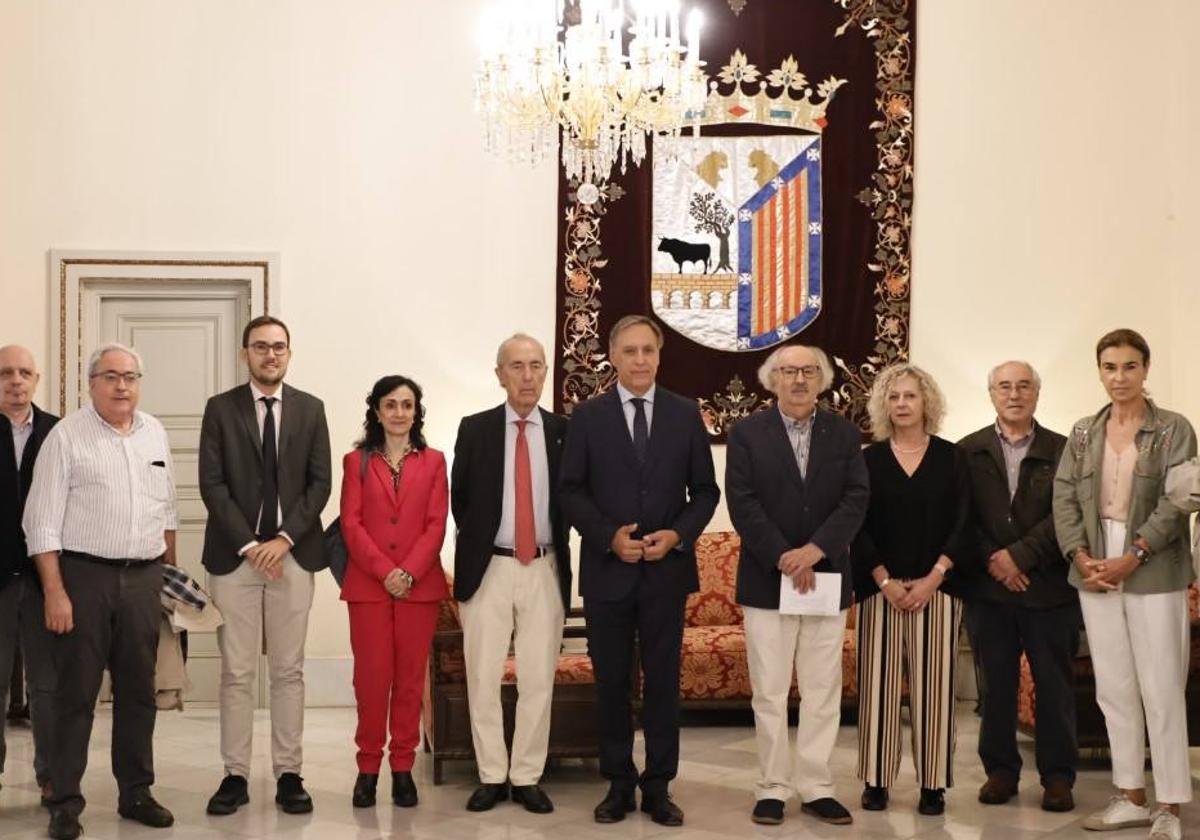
[(908, 592)]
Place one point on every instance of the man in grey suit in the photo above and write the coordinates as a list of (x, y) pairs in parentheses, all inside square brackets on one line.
[(264, 477)]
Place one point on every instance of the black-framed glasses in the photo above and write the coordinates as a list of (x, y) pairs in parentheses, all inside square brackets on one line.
[(112, 377), (262, 348)]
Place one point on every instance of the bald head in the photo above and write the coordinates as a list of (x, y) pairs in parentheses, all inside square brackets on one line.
[(18, 380)]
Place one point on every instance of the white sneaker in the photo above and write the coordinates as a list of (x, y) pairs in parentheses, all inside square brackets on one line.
[(1119, 813), (1166, 826)]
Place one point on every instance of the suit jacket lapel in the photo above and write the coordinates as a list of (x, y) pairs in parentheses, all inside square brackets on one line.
[(617, 411), (289, 421), (554, 441), (245, 409)]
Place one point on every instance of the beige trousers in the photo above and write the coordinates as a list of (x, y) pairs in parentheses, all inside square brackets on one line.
[(257, 610), (812, 645), (520, 603)]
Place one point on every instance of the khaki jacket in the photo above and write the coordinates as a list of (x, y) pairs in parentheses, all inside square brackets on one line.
[(1164, 440)]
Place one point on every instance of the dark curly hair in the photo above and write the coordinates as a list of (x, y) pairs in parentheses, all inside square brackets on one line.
[(372, 437)]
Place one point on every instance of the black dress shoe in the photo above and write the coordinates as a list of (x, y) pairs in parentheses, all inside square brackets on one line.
[(615, 805), (533, 798), (231, 794), (875, 798), (933, 802), (404, 789), (364, 790), (64, 825), (291, 796), (661, 809), (487, 795), (827, 809), (146, 811), (767, 812)]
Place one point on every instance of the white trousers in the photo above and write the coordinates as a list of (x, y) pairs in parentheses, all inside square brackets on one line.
[(812, 645), (256, 609), (517, 602), (1140, 646)]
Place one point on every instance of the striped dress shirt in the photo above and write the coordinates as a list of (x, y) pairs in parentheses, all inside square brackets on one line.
[(97, 491)]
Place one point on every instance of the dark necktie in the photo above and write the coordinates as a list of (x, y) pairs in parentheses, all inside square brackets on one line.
[(641, 431), (269, 525)]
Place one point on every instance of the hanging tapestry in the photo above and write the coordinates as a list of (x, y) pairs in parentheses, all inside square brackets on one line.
[(788, 219)]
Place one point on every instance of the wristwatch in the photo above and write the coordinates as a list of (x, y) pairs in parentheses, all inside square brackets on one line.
[(1142, 554)]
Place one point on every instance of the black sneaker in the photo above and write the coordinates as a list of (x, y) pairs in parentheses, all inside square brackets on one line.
[(933, 802), (146, 811), (768, 812), (875, 798), (229, 796), (291, 795), (827, 809)]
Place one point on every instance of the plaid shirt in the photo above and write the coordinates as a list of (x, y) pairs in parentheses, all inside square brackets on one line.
[(179, 586)]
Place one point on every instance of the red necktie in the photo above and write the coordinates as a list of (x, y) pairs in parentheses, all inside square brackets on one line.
[(526, 531)]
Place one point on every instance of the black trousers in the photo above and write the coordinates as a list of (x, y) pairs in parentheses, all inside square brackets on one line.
[(116, 612), (657, 622), (1050, 640)]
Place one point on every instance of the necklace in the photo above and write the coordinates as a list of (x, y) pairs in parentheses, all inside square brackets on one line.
[(910, 451)]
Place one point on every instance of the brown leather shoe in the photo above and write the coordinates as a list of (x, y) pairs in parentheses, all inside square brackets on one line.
[(998, 789), (1057, 796)]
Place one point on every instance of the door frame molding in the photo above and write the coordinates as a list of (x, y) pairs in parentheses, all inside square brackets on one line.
[(71, 270)]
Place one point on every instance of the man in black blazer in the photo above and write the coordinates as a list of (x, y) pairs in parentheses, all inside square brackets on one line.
[(638, 485), (264, 477), (1023, 603), (23, 427), (512, 572), (797, 489)]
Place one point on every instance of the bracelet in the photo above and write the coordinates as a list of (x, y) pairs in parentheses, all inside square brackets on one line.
[(884, 583)]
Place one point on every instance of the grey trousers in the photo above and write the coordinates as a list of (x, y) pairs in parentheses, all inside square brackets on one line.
[(117, 613), (23, 621)]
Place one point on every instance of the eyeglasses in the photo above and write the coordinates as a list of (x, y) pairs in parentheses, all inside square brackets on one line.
[(112, 377), (1022, 387), (791, 372), (261, 348)]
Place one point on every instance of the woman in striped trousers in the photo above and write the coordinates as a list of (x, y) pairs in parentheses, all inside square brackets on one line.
[(908, 563)]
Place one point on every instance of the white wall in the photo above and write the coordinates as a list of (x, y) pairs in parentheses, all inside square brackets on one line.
[(1055, 188)]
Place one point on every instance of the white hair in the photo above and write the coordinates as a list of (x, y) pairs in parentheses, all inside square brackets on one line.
[(112, 347), (768, 371), (1033, 374), (515, 337)]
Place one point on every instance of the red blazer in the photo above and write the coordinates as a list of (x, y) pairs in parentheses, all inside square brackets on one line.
[(386, 529)]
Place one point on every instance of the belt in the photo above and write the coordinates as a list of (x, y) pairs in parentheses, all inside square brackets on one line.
[(542, 551), (108, 561)]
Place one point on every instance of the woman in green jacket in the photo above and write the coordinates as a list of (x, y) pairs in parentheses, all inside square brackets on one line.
[(1129, 552)]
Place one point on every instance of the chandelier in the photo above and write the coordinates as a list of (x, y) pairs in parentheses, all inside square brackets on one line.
[(603, 91)]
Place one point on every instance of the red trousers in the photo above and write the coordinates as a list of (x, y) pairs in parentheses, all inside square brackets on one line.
[(390, 640)]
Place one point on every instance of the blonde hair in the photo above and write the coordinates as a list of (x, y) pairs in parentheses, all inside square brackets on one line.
[(768, 371), (931, 396)]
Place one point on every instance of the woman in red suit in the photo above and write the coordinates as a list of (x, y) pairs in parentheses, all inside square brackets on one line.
[(393, 520)]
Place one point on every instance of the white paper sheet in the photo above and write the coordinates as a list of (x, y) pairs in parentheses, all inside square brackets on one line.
[(823, 599)]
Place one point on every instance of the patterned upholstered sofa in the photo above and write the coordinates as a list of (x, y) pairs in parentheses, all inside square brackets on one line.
[(1089, 720), (713, 671), (446, 717)]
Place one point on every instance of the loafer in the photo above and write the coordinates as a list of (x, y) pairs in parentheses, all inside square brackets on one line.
[(615, 805), (874, 798), (829, 810), (404, 789), (533, 798), (232, 794), (487, 795), (364, 790), (661, 809), (146, 811), (933, 802), (767, 812), (291, 796), (1057, 796), (63, 825), (998, 789)]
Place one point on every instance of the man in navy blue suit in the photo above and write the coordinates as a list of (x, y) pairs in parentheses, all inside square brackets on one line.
[(637, 482)]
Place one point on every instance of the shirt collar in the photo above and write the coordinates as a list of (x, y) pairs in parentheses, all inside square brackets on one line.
[(1019, 442), (626, 395), (26, 424), (258, 395), (804, 425), (138, 420), (511, 416)]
